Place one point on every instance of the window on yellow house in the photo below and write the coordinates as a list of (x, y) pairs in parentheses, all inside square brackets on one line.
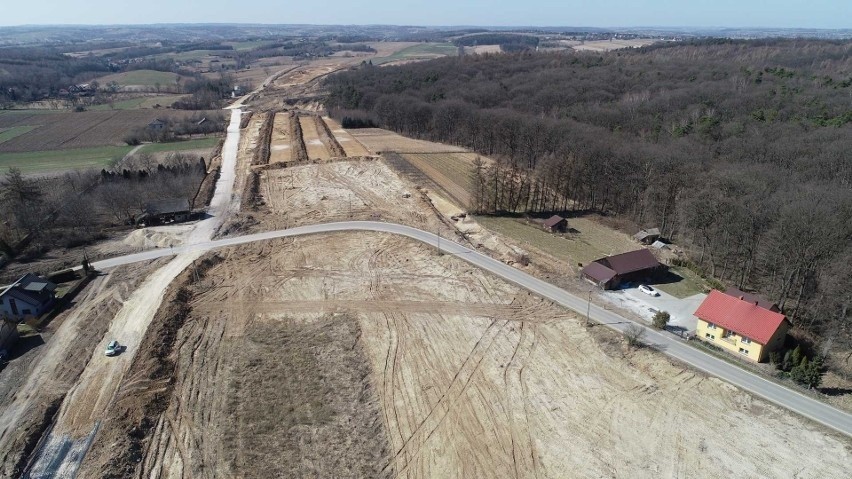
[(746, 340), (743, 351), (711, 326), (710, 336)]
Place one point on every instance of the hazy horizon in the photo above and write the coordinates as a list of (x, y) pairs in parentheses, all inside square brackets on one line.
[(781, 14)]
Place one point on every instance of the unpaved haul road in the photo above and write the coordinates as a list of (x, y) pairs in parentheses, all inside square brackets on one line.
[(674, 347), (64, 448)]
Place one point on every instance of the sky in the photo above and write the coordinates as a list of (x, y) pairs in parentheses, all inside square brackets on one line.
[(584, 13)]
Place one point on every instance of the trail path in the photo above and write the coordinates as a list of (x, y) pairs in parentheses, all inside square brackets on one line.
[(76, 424)]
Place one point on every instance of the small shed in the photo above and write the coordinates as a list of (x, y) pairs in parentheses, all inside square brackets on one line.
[(157, 124), (556, 224), (648, 236), (172, 210), (659, 245)]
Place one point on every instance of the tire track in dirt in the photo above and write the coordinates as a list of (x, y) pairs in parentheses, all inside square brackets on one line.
[(458, 385)]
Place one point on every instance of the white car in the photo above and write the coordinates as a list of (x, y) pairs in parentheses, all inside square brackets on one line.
[(648, 290), (112, 348)]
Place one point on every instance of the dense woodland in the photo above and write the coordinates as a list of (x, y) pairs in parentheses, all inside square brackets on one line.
[(739, 151), (78, 208)]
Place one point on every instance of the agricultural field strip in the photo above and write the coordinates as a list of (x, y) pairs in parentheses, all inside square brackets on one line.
[(674, 347), (7, 134), (101, 156), (80, 130), (453, 173), (61, 160)]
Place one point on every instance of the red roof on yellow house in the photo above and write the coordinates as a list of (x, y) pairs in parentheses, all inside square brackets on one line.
[(742, 317)]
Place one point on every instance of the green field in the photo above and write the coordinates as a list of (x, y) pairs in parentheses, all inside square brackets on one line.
[(140, 78), (588, 241), (60, 160), (422, 50), (40, 162), (199, 144), (243, 46), (691, 283), (138, 103), (9, 133)]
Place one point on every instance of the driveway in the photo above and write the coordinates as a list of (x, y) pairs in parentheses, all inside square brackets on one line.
[(645, 306)]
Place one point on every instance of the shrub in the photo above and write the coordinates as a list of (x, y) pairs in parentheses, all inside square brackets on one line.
[(808, 373), (661, 319), (633, 334)]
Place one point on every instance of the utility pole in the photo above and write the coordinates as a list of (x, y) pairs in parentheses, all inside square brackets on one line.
[(589, 310)]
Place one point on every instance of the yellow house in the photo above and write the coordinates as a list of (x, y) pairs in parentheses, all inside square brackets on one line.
[(742, 327)]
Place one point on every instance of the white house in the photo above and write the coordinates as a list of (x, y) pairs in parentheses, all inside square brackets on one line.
[(27, 297)]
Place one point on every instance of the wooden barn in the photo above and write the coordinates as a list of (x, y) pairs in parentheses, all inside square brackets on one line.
[(610, 272)]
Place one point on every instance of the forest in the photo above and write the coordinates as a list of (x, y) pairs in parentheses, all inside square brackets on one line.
[(737, 150)]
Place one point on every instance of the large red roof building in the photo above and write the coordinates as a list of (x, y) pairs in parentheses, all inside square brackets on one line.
[(744, 327)]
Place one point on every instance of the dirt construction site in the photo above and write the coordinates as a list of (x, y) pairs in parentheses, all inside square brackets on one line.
[(357, 354)]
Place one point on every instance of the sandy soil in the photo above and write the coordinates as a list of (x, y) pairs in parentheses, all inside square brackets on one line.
[(352, 146), (315, 146), (471, 377), (377, 140), (364, 189), (608, 45), (280, 146), (52, 370), (481, 49)]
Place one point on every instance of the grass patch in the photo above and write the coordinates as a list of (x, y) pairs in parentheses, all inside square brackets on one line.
[(590, 241), (199, 144), (248, 45), (61, 160), (690, 284), (9, 133), (140, 78), (144, 102), (420, 50)]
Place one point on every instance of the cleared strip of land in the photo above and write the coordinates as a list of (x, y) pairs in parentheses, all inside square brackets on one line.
[(352, 146), (316, 149), (280, 147)]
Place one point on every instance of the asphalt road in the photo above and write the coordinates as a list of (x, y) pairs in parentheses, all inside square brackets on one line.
[(670, 345)]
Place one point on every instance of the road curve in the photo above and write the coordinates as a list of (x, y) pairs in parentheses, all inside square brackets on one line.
[(670, 345)]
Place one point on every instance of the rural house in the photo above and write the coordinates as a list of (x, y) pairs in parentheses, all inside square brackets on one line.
[(648, 236), (172, 210), (610, 272), (740, 326), (556, 224), (157, 125), (29, 296)]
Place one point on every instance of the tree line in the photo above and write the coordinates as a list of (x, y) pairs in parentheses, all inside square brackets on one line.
[(81, 207), (737, 150)]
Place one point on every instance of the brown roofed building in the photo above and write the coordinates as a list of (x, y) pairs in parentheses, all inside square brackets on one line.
[(610, 272), (556, 224)]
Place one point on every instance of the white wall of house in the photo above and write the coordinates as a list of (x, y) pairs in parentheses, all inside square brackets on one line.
[(10, 303)]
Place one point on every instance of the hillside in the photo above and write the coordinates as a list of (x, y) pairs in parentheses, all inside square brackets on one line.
[(735, 149)]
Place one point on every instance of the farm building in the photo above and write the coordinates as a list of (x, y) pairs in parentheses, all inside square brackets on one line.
[(556, 224), (173, 210), (29, 296), (648, 236), (610, 272), (157, 124), (742, 327)]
